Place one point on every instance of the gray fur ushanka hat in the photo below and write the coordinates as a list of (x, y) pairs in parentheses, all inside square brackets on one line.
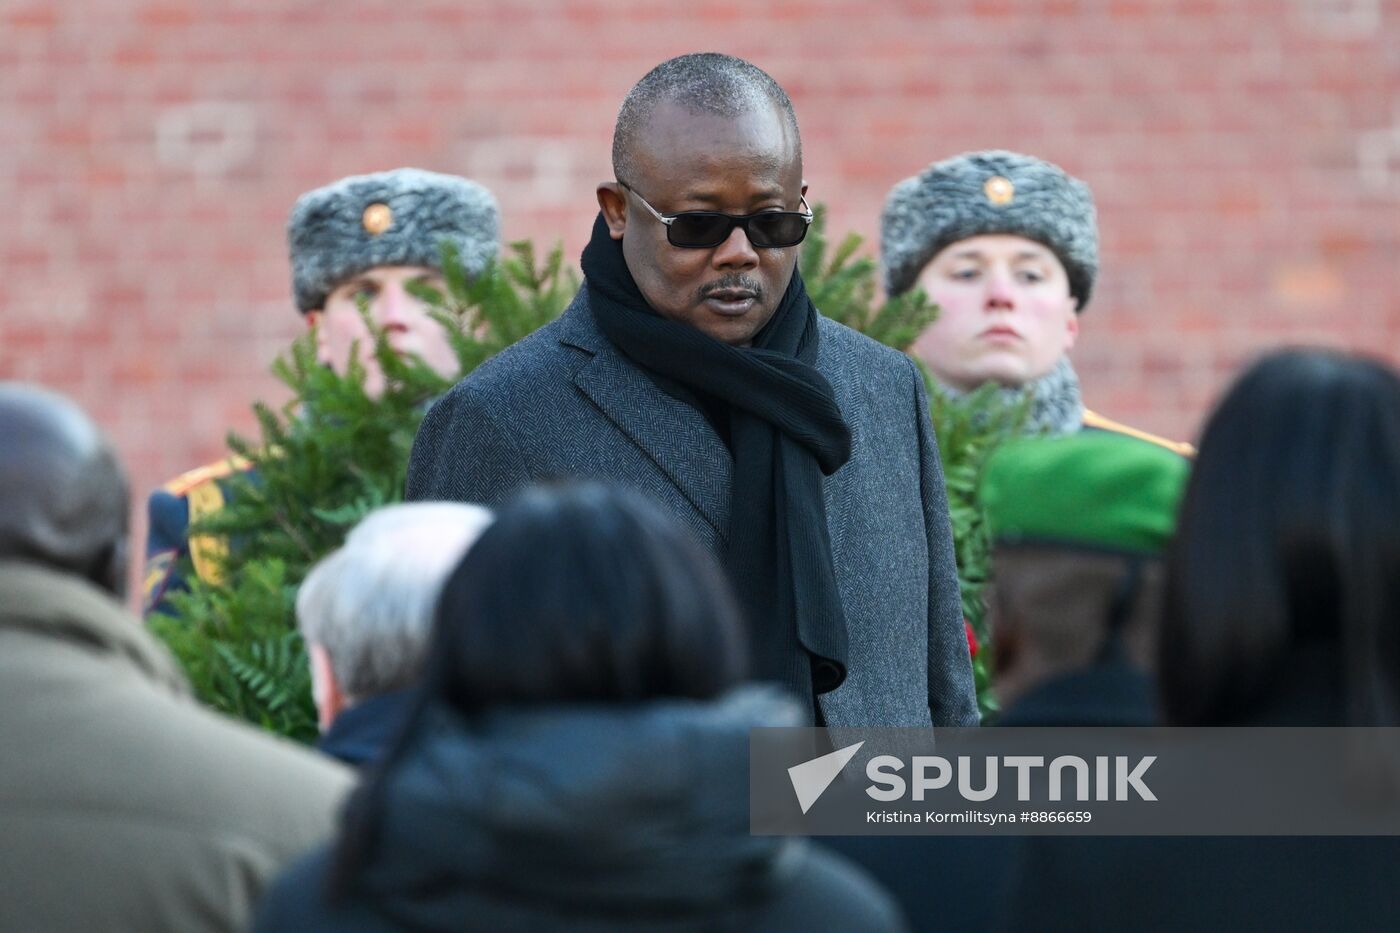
[(987, 193), (396, 218)]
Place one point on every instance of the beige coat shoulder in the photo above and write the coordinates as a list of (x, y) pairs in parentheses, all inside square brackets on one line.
[(123, 803)]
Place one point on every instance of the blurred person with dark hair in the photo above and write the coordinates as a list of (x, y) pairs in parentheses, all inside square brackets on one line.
[(124, 805), (577, 757), (365, 611), (374, 239), (1007, 246), (1283, 601), (1080, 523), (1282, 608), (693, 367)]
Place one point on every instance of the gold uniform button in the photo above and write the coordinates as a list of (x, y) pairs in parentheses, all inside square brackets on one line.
[(999, 190), (377, 218)]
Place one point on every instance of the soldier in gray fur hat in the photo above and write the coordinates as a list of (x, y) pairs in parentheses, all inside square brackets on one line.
[(1007, 246), (368, 237), (364, 238)]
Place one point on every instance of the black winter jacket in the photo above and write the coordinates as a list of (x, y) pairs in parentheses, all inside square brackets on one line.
[(587, 818)]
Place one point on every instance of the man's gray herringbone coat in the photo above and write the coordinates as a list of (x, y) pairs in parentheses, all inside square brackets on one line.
[(564, 404)]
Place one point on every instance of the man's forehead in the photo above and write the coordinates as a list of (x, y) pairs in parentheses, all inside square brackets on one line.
[(998, 245), (388, 273), (676, 138)]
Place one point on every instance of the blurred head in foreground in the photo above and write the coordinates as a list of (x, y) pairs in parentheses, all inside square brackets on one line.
[(1283, 586), (63, 495), (584, 594)]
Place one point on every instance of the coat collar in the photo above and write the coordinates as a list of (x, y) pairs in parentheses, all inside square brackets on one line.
[(1056, 405), (362, 733), (548, 799), (66, 608), (673, 434), (1109, 694)]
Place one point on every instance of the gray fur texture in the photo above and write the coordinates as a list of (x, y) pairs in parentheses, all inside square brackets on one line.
[(1056, 405), (948, 202), (328, 242)]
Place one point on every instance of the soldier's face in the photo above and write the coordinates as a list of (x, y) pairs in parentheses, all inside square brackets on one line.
[(1005, 312), (705, 162), (405, 318)]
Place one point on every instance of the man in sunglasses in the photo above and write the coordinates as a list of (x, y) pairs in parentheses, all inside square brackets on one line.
[(692, 366)]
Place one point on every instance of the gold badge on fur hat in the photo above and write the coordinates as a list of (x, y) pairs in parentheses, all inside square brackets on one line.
[(999, 190), (377, 218)]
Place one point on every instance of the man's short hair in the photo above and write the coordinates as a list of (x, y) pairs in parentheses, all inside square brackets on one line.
[(370, 604), (1060, 600), (703, 82)]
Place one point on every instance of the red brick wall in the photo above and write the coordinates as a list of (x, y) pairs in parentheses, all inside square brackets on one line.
[(1245, 155)]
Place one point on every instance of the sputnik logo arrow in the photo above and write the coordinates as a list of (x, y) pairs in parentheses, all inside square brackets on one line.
[(811, 778)]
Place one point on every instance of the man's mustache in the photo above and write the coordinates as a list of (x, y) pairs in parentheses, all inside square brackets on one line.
[(732, 283)]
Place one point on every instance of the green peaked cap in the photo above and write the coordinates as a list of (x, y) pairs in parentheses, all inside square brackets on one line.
[(1095, 489)]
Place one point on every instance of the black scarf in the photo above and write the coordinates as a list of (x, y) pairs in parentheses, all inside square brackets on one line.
[(785, 431)]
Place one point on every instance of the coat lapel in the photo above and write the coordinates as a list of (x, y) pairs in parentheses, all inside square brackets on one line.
[(840, 483), (673, 434)]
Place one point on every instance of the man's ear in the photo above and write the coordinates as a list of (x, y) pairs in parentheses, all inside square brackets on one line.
[(613, 202), (325, 689), (1073, 327)]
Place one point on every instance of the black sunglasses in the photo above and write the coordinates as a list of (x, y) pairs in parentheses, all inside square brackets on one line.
[(706, 229)]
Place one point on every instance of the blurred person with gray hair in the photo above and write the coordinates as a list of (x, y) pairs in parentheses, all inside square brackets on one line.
[(374, 239), (366, 611), (124, 804), (1007, 246)]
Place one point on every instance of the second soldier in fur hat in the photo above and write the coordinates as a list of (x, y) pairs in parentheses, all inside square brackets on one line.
[(365, 238), (1007, 246)]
